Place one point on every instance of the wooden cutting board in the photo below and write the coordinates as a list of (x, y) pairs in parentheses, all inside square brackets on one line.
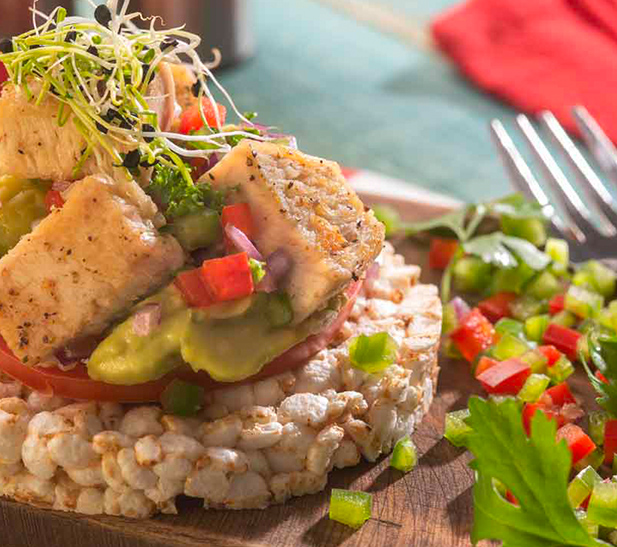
[(431, 506)]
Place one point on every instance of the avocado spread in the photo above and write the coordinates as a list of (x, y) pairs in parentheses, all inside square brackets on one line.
[(230, 341)]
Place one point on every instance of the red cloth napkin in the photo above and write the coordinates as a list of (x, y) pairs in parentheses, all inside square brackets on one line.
[(538, 54)]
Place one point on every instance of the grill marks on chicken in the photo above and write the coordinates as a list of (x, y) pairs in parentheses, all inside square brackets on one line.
[(80, 267), (304, 205)]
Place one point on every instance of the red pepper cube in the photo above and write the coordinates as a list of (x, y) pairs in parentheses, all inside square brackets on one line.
[(557, 304), (505, 378), (560, 394), (563, 338), (510, 497), (601, 377), (551, 353), (228, 278), (239, 215), (441, 252), (193, 289), (579, 443), (474, 335), (530, 409), (484, 364), (497, 306), (610, 441), (53, 200)]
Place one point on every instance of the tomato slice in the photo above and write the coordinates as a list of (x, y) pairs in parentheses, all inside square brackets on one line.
[(76, 384), (191, 118)]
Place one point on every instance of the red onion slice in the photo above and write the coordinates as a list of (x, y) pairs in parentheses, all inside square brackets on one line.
[(241, 242), (277, 265), (146, 319), (460, 307)]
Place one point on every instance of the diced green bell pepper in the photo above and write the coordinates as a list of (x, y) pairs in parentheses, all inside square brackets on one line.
[(531, 229), (457, 430), (449, 320), (603, 504), (471, 274), (544, 286), (599, 277), (525, 306), (197, 230), (404, 456), (350, 508), (509, 346), (511, 279), (535, 327), (278, 310), (558, 250), (564, 318), (594, 459), (592, 529), (510, 326), (561, 370), (182, 398), (372, 353), (597, 420), (582, 485), (533, 387), (536, 360), (583, 302)]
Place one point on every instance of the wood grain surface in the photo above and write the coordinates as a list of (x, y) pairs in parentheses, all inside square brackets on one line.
[(431, 506)]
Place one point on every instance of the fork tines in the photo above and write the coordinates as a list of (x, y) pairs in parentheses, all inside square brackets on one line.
[(591, 223)]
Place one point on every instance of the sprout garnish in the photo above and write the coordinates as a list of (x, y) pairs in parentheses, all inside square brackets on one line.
[(99, 70)]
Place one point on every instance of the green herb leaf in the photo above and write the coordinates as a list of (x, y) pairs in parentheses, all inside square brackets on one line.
[(502, 251), (534, 469), (603, 353), (452, 224), (177, 197), (517, 206)]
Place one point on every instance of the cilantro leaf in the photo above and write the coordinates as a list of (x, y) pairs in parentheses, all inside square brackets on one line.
[(517, 206), (502, 251), (603, 353), (535, 470), (453, 223), (177, 197)]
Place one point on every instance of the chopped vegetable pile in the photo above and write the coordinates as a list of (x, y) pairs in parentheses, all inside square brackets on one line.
[(523, 318)]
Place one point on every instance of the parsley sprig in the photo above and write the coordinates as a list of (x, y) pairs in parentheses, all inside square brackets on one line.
[(497, 248), (535, 469), (603, 353)]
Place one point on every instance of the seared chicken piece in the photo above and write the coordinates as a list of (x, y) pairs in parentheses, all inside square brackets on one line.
[(304, 205), (32, 144), (80, 267)]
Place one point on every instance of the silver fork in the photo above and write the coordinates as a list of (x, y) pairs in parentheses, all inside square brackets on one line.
[(590, 226)]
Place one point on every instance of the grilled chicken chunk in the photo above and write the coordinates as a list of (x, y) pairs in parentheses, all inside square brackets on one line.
[(80, 267), (304, 205), (32, 144)]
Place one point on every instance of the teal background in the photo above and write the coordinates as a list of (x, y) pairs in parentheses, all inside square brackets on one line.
[(369, 96)]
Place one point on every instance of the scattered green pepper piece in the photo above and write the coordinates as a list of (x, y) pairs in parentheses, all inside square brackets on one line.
[(404, 456), (372, 353), (350, 508)]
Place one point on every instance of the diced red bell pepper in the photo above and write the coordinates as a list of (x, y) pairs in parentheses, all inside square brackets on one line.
[(579, 443), (551, 353), (530, 409), (484, 364), (193, 288), (228, 278), (238, 215), (497, 306), (610, 441), (560, 395), (601, 377), (441, 252), (505, 378), (563, 338), (53, 199), (557, 304), (191, 118), (510, 497), (473, 335)]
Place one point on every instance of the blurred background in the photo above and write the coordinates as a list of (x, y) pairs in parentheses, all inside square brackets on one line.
[(358, 81)]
